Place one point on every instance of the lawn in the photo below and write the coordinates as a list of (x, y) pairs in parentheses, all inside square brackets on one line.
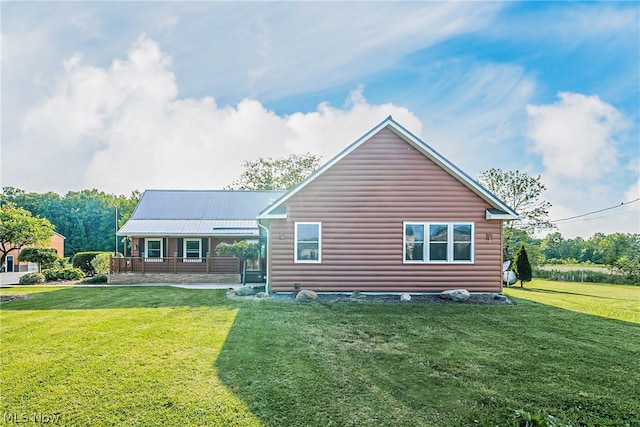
[(168, 356)]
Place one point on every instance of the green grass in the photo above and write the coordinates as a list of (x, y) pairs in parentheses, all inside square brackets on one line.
[(620, 302), (167, 356)]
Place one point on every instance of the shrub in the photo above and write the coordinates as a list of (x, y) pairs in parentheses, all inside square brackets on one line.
[(31, 278), (82, 260), (521, 265), (98, 278), (587, 276), (101, 262), (68, 273), (44, 257)]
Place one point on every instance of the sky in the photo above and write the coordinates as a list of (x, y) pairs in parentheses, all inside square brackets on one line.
[(124, 96)]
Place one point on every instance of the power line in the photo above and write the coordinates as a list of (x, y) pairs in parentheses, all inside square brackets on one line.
[(602, 216), (599, 210)]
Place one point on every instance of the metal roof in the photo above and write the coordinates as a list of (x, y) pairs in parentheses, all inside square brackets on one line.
[(198, 213), (203, 204), (193, 227)]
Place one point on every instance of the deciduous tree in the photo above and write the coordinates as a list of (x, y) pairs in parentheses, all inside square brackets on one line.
[(19, 228), (44, 257), (523, 193), (275, 174)]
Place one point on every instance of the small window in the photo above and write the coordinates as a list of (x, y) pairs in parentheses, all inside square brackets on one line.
[(413, 242), (192, 248), (307, 242)]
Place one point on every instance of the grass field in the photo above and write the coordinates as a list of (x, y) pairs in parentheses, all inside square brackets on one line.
[(168, 356)]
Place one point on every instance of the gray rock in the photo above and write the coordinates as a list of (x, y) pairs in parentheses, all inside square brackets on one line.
[(245, 291), (306, 295), (262, 295), (405, 297), (458, 295)]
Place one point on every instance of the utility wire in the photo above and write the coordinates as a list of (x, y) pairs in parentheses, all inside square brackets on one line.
[(599, 210), (601, 217)]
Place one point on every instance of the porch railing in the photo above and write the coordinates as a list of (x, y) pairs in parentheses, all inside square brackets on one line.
[(175, 265)]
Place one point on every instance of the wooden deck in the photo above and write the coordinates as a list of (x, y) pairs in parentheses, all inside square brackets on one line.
[(175, 265)]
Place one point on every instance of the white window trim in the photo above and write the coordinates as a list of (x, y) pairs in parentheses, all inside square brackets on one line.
[(426, 246), (184, 247), (295, 244), (146, 250)]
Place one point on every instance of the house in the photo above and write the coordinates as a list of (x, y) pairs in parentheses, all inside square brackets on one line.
[(387, 214), (172, 235), (13, 264)]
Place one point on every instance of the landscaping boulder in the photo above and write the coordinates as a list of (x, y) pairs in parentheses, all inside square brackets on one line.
[(458, 295), (245, 291), (262, 295), (405, 296), (306, 295)]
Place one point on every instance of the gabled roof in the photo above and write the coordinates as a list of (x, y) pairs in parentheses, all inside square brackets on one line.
[(198, 213), (507, 213)]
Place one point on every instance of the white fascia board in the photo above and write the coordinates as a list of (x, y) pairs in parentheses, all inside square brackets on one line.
[(500, 216), (273, 216)]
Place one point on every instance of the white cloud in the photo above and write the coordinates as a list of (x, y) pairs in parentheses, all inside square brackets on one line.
[(123, 127), (578, 139), (576, 136)]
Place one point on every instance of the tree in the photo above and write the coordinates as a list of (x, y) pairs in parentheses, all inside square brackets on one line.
[(241, 249), (275, 174), (523, 194), (85, 218), (45, 257), (19, 228), (521, 266), (620, 251)]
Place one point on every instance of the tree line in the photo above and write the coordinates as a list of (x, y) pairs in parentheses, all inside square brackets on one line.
[(87, 218)]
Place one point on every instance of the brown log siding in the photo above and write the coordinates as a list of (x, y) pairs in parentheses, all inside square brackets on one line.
[(362, 202)]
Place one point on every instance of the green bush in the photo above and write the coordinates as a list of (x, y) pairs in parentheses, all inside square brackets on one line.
[(101, 263), (68, 273), (31, 278), (98, 278), (82, 260)]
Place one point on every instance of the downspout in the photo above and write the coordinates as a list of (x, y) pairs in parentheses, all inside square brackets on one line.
[(266, 275)]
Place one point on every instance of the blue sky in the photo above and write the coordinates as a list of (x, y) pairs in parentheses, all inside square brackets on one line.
[(135, 95)]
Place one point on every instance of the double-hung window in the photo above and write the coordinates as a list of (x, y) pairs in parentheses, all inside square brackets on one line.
[(192, 248), (153, 248), (438, 242), (308, 242)]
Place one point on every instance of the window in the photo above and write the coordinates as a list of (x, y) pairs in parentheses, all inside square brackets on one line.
[(192, 248), (443, 242), (153, 248), (307, 242), (414, 242)]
